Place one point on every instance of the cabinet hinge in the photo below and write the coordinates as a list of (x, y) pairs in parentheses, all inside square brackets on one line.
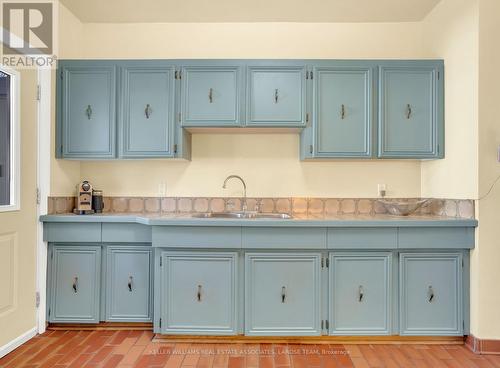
[(161, 261), (322, 265), (439, 75), (52, 254), (322, 324), (327, 325), (61, 74), (307, 75), (307, 117), (160, 322), (327, 263), (49, 312), (311, 149), (462, 263), (176, 75), (175, 148), (310, 75), (37, 299), (38, 92), (179, 117)]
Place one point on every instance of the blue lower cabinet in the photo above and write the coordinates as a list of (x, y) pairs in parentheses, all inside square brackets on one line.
[(282, 294), (360, 294), (74, 284), (431, 294), (199, 293), (128, 284)]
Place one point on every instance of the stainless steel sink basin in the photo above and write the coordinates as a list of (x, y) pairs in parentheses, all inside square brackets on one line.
[(243, 215)]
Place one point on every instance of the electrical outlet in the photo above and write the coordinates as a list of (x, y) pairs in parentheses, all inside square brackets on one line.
[(381, 190)]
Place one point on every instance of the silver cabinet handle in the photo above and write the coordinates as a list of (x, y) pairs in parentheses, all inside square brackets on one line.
[(210, 95), (342, 112), (198, 294), (88, 111), (75, 284), (276, 95), (408, 111), (148, 111), (361, 293), (283, 294), (430, 294), (129, 284)]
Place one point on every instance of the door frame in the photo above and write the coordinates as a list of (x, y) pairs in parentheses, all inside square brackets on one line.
[(44, 115)]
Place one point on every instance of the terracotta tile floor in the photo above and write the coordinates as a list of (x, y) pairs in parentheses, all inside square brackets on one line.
[(135, 349)]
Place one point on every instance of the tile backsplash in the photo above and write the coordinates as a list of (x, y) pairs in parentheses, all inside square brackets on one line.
[(462, 208)]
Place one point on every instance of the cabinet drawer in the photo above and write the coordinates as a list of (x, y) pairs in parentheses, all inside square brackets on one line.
[(199, 293), (431, 294), (360, 294), (128, 284), (276, 96), (364, 238), (282, 294), (75, 284)]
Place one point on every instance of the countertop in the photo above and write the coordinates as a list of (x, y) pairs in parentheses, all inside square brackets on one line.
[(296, 221)]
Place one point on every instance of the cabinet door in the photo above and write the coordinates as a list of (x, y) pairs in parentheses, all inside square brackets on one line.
[(75, 280), (88, 112), (410, 122), (342, 112), (431, 294), (211, 96), (360, 289), (128, 284), (282, 294), (199, 293), (148, 112), (276, 96)]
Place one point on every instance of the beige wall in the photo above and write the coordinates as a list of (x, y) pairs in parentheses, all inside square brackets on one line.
[(65, 174), (486, 256), (18, 230), (451, 32), (270, 163)]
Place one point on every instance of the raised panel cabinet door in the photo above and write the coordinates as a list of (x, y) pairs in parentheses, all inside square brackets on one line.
[(199, 293), (148, 112), (431, 294), (75, 280), (282, 294), (360, 294), (211, 96), (88, 112), (128, 284), (410, 119), (342, 112), (276, 96)]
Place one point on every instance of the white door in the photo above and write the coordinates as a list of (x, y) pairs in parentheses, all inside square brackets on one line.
[(18, 222)]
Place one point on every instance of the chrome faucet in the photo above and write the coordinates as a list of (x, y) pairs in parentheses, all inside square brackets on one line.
[(244, 206)]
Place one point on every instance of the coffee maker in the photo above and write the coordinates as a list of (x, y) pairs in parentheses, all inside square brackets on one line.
[(83, 199)]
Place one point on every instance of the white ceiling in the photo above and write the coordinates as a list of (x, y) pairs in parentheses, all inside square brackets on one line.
[(161, 11)]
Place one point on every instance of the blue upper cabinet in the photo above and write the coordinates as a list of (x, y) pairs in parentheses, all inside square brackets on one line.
[(342, 112), (88, 120), (147, 121), (276, 96), (411, 119), (210, 96)]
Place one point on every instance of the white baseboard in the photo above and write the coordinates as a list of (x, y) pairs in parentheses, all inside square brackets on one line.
[(18, 341)]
